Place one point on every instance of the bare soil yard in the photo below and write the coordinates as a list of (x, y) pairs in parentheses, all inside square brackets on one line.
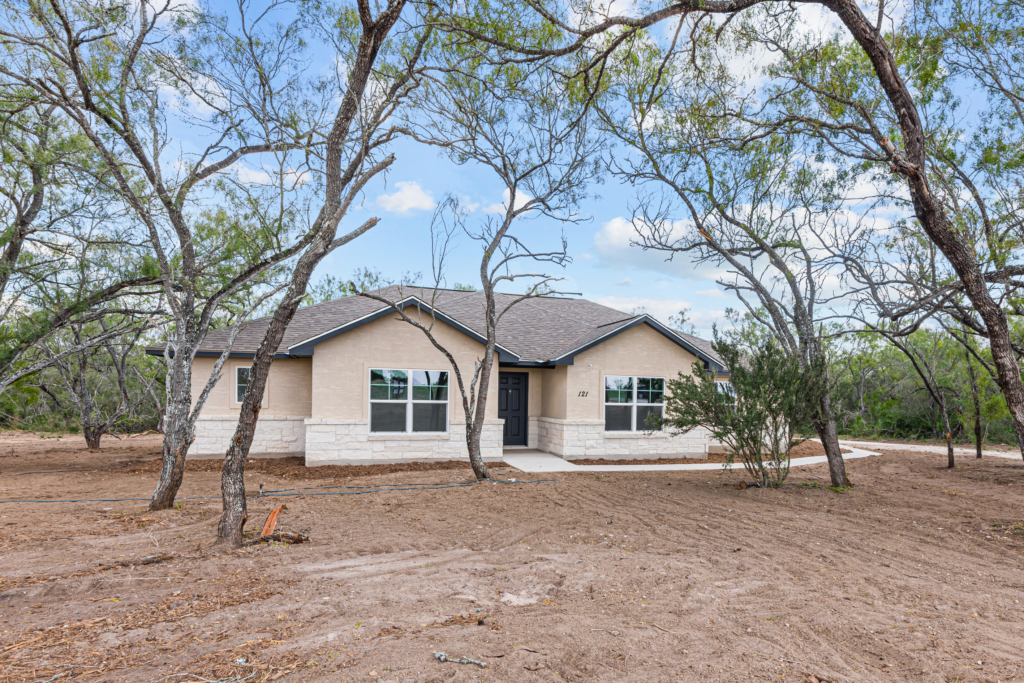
[(916, 574)]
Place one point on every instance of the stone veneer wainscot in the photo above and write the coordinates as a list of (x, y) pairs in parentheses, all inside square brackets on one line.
[(573, 439)]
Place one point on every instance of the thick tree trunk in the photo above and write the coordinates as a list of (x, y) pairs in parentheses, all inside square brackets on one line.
[(178, 434), (476, 459), (829, 435), (92, 436), (232, 482)]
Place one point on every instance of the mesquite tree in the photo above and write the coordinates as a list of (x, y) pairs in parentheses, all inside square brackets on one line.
[(724, 193), (128, 76), (101, 380), (380, 76), (522, 127), (933, 357), (57, 269)]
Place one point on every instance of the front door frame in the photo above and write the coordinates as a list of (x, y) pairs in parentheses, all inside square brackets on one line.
[(525, 409)]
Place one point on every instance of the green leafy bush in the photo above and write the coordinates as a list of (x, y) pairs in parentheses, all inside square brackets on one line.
[(757, 414)]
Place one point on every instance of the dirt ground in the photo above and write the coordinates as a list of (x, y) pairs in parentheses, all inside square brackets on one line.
[(913, 575)]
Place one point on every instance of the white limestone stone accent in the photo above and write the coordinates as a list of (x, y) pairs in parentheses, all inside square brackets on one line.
[(349, 442), (573, 439), (533, 431), (277, 435)]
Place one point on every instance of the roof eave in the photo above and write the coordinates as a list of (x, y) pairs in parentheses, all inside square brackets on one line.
[(156, 351)]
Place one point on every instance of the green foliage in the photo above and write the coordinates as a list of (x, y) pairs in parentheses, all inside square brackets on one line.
[(878, 394), (770, 400)]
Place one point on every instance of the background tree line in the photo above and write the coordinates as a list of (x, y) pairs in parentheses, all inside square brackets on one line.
[(881, 394)]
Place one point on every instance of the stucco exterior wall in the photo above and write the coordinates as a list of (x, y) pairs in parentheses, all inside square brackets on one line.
[(338, 429), (281, 429), (341, 366), (574, 425), (288, 387), (554, 397)]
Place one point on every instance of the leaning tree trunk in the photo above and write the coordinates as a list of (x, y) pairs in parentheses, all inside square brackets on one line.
[(929, 210), (825, 425), (825, 421), (232, 478), (178, 434), (235, 514)]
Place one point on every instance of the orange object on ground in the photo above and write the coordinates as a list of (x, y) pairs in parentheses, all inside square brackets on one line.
[(268, 526)]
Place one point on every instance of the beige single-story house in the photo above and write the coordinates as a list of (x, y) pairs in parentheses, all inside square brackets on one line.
[(355, 384)]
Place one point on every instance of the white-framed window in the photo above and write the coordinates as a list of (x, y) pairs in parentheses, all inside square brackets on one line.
[(241, 382), (629, 401), (400, 405), (726, 389)]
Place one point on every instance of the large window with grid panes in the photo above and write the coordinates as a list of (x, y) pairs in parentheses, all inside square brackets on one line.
[(413, 401), (633, 404)]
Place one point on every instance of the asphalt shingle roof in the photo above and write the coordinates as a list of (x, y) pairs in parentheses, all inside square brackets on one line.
[(537, 329)]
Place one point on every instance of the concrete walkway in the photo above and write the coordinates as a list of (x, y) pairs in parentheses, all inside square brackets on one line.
[(539, 462), (920, 448)]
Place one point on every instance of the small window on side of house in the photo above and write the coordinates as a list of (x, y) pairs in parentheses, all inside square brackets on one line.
[(241, 382), (726, 389)]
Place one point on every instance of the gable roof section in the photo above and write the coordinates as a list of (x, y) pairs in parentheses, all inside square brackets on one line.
[(603, 333), (306, 347), (537, 332)]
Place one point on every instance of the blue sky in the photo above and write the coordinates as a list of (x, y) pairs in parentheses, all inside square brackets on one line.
[(604, 268)]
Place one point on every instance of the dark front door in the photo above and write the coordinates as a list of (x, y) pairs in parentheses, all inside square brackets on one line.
[(512, 406)]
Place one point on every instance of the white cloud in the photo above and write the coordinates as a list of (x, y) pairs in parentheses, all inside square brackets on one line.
[(624, 282), (251, 176), (521, 199), (717, 293), (663, 309), (659, 308), (260, 176), (613, 243), (409, 197)]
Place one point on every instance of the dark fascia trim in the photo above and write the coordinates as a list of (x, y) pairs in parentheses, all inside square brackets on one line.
[(216, 354), (709, 363), (530, 364), (305, 348)]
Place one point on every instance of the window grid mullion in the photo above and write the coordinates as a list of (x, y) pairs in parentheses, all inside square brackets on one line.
[(632, 407), (408, 401)]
